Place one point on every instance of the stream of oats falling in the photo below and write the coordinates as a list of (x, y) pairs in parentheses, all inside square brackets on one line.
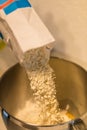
[(45, 110)]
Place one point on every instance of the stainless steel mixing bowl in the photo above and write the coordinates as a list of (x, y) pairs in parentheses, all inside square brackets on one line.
[(71, 86)]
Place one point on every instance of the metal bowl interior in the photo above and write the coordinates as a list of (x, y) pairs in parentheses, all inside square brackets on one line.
[(71, 81)]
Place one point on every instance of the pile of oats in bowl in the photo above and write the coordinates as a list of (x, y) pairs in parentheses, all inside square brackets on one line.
[(46, 109)]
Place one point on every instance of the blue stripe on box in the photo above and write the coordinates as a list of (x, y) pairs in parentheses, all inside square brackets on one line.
[(23, 3), (10, 8), (15, 5), (2, 1)]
